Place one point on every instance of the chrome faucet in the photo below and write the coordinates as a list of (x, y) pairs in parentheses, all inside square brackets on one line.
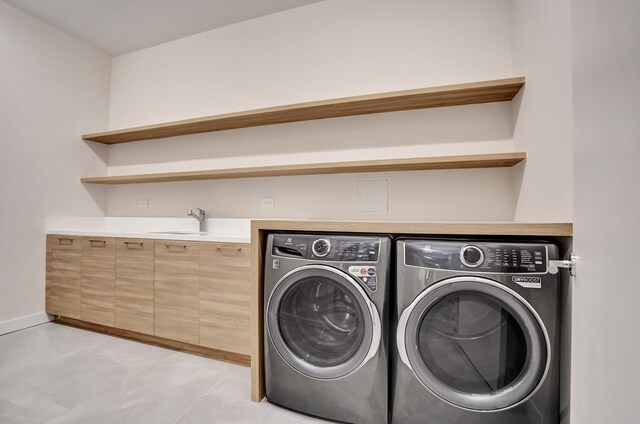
[(201, 217)]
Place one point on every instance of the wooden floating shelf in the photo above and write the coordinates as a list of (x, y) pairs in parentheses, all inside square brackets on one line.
[(498, 160), (448, 95)]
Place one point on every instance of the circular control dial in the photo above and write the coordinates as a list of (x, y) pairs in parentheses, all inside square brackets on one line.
[(471, 256), (321, 247)]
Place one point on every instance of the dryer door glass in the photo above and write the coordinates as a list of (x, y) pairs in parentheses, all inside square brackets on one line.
[(321, 322), (476, 344), (472, 343)]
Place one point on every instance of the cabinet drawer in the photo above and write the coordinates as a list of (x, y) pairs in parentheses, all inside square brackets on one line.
[(225, 296), (176, 290), (134, 284), (99, 280)]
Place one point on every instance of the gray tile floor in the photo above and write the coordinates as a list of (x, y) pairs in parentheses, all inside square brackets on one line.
[(55, 374)]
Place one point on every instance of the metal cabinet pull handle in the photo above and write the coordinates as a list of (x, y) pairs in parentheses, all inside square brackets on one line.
[(102, 242), (128, 244), (233, 249), (62, 239), (169, 246)]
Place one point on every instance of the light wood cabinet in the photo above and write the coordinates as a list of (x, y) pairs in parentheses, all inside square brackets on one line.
[(99, 280), (134, 285), (47, 286), (225, 296), (176, 303), (193, 296), (65, 276)]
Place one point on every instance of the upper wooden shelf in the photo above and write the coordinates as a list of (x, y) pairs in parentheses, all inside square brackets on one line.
[(448, 95), (497, 160)]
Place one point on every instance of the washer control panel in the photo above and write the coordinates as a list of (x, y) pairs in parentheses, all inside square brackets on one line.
[(327, 248), (479, 257)]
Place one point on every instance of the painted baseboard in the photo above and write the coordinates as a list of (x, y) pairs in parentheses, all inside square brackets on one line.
[(23, 322)]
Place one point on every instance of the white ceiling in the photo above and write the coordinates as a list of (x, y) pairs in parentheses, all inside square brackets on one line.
[(122, 26)]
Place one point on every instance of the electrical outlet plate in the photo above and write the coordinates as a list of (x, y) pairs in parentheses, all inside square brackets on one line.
[(143, 203), (268, 202)]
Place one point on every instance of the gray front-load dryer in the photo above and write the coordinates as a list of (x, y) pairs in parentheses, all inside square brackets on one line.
[(326, 312), (477, 333)]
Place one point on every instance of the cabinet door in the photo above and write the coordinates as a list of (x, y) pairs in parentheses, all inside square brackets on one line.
[(99, 280), (50, 241), (225, 296), (176, 290), (134, 285), (65, 285)]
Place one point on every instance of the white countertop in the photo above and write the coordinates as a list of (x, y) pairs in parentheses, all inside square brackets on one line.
[(218, 229)]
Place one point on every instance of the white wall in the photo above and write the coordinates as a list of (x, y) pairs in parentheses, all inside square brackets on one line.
[(336, 48), (541, 50), (52, 89), (606, 97), (325, 50)]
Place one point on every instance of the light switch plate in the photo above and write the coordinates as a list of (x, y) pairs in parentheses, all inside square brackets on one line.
[(372, 195)]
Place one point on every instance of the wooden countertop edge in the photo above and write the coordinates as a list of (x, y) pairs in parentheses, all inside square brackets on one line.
[(560, 229)]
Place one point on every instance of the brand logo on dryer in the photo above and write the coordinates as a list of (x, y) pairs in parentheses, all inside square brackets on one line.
[(528, 282)]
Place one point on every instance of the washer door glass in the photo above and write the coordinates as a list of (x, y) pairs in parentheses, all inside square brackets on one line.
[(476, 345), (320, 322)]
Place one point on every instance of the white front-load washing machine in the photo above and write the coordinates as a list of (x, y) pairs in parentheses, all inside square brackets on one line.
[(477, 336), (326, 325)]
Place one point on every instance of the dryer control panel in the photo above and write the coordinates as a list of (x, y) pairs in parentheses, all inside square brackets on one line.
[(327, 247), (517, 258)]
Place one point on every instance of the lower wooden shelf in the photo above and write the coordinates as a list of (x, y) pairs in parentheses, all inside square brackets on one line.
[(496, 160)]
